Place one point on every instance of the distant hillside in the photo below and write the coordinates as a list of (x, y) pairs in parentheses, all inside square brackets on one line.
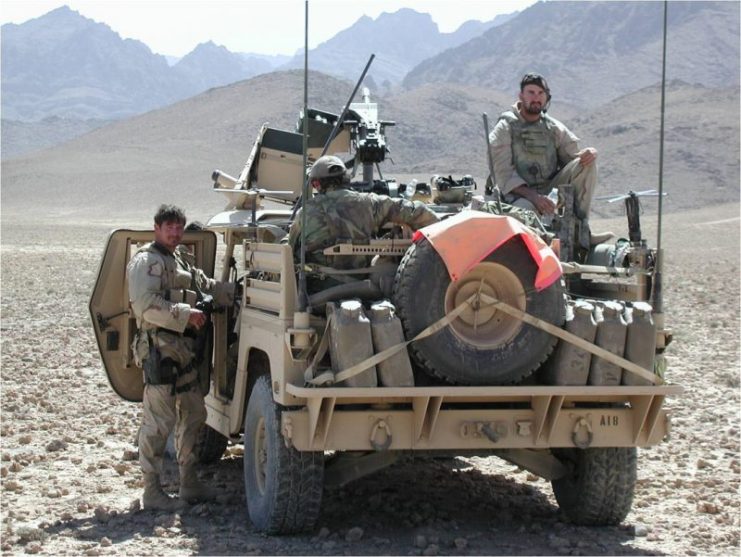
[(163, 155), (210, 65), (264, 63), (20, 137), (592, 52), (128, 167), (698, 169), (399, 40)]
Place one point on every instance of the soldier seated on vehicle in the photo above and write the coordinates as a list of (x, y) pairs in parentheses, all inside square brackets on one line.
[(533, 152), (338, 214)]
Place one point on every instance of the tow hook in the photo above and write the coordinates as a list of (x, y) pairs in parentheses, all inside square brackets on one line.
[(386, 443), (490, 432), (288, 432), (582, 441)]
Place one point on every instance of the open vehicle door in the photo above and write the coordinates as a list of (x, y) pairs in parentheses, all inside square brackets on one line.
[(113, 319)]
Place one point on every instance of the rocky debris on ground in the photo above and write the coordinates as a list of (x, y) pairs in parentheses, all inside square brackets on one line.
[(71, 484)]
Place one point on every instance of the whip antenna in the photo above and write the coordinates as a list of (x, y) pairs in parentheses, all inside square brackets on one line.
[(302, 294), (657, 287)]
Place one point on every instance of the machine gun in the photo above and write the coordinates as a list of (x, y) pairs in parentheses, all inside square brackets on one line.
[(367, 134), (361, 134)]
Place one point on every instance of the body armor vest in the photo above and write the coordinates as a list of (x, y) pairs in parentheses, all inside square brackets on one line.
[(534, 149)]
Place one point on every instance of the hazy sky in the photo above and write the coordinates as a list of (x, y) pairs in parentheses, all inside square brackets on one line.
[(175, 27)]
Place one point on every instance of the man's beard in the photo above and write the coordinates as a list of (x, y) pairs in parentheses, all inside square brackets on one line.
[(530, 108)]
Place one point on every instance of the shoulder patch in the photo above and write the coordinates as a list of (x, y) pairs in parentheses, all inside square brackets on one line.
[(154, 269)]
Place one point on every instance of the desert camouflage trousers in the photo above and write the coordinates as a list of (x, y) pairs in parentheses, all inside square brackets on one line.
[(162, 411), (584, 180)]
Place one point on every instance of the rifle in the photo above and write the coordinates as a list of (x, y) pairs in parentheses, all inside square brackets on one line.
[(203, 345), (494, 187)]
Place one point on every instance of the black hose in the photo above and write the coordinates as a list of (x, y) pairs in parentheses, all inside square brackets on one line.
[(360, 289)]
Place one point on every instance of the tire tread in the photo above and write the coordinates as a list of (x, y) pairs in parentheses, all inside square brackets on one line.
[(411, 267), (599, 492), (294, 505)]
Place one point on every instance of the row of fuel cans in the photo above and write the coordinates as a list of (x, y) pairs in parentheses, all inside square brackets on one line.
[(626, 329)]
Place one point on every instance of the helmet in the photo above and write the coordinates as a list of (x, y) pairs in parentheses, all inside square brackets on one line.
[(327, 166)]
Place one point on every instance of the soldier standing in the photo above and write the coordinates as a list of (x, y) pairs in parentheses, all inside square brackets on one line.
[(158, 276), (533, 153), (339, 214)]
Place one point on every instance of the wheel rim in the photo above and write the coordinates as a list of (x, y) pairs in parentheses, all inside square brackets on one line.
[(486, 327), (260, 456)]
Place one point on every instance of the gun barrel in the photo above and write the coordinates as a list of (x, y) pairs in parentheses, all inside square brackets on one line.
[(224, 180)]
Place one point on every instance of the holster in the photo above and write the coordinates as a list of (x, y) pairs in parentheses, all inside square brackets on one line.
[(154, 372), (164, 371)]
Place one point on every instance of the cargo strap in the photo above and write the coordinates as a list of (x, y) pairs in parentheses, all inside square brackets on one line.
[(329, 377), (573, 339)]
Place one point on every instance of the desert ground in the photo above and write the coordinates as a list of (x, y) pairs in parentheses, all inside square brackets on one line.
[(71, 482)]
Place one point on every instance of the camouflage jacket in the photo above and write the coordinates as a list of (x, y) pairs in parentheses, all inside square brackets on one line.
[(156, 278), (343, 215)]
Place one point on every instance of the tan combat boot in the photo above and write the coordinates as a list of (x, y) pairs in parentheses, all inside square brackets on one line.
[(588, 238), (155, 499), (191, 489), (596, 238)]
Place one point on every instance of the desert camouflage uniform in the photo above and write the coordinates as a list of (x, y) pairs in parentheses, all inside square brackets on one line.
[(542, 155), (155, 276), (342, 215)]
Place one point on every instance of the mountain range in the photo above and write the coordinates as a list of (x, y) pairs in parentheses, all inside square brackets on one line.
[(63, 64), (399, 40)]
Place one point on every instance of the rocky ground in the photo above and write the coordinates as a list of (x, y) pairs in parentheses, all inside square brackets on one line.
[(70, 480)]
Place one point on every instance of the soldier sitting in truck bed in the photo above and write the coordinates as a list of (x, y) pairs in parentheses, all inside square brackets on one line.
[(533, 153), (338, 214)]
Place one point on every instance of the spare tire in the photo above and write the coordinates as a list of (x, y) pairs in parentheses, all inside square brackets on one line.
[(484, 347)]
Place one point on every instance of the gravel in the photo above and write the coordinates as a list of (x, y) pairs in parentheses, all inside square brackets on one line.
[(71, 483)]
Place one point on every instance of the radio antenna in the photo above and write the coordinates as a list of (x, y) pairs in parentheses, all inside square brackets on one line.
[(658, 298), (303, 297)]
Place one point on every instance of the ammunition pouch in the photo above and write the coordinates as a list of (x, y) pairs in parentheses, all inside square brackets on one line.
[(183, 278), (182, 296)]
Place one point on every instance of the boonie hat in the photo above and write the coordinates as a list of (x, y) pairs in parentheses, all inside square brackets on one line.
[(327, 166)]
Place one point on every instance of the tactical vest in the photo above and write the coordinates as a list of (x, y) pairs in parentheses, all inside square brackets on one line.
[(183, 289), (534, 149)]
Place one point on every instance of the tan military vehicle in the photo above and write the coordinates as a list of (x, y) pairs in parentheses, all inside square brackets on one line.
[(470, 338)]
